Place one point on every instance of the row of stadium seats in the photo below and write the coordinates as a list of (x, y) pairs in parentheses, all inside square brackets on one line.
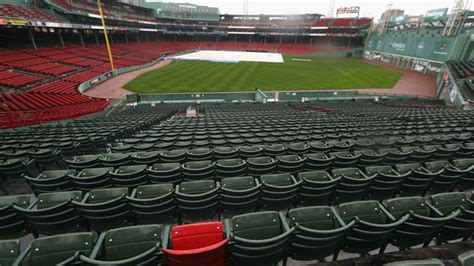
[(307, 233), (401, 153), (26, 12)]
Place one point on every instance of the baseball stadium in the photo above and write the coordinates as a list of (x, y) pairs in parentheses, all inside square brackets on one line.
[(143, 132)]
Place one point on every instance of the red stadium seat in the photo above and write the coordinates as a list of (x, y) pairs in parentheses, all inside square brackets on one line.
[(197, 244)]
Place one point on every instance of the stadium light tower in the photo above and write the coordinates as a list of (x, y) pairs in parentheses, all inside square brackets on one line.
[(456, 18)]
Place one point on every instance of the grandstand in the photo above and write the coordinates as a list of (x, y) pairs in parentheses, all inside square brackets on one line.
[(260, 177)]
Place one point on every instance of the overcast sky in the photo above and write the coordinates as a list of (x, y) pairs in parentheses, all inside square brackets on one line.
[(369, 8)]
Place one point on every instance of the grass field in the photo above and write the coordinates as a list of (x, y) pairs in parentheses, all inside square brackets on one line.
[(321, 73)]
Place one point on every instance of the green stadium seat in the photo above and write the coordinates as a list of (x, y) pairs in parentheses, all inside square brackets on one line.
[(279, 191), (165, 173), (373, 226), (153, 204), (250, 151), (274, 150), (344, 159), (143, 147), (258, 166), (12, 223), (394, 156), (200, 154), (129, 176), (462, 225), (59, 249), (47, 158), (290, 164), (134, 245), (198, 200), (105, 209), (122, 148), (84, 161), (317, 188), (369, 157), (223, 152), (319, 233), (258, 238), (9, 251), (422, 226), (298, 148), (173, 156), (318, 161), (92, 178), (319, 147), (146, 157), (352, 186), (386, 182), (226, 168), (15, 168), (419, 179), (198, 170), (448, 177), (467, 181), (115, 159), (51, 181), (239, 195)]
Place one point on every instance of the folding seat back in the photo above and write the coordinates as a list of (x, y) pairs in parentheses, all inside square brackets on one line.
[(165, 173), (197, 244), (50, 181), (372, 228), (128, 246), (92, 178), (258, 238), (105, 208), (54, 250), (290, 163), (83, 161), (223, 152), (354, 184), (317, 188), (12, 224), (9, 251), (386, 182), (319, 232), (239, 195), (279, 191), (230, 168), (447, 176), (146, 157), (460, 226), (173, 156), (418, 181), (423, 224), (54, 213), (198, 170), (250, 151), (318, 161), (130, 176), (115, 159), (153, 204), (197, 200), (257, 166), (200, 154)]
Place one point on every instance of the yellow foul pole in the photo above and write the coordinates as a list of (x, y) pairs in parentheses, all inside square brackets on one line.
[(105, 35)]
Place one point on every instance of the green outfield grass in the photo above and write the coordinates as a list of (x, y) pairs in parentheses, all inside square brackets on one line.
[(321, 73)]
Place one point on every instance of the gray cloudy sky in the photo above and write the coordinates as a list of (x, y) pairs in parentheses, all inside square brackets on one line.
[(369, 8)]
